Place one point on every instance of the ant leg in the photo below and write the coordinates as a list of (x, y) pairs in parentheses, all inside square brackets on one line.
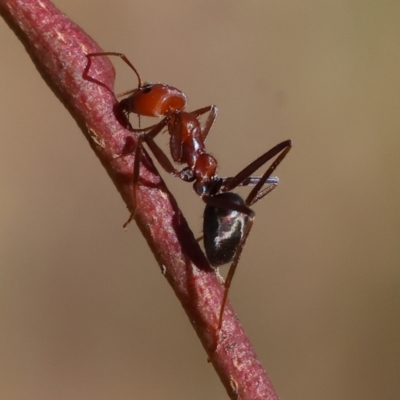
[(251, 181), (135, 179), (256, 193), (148, 138), (232, 268), (136, 163), (147, 129), (245, 174), (185, 174), (210, 119), (160, 155), (244, 178)]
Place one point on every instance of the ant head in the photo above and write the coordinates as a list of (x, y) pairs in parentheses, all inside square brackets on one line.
[(154, 100), (151, 100)]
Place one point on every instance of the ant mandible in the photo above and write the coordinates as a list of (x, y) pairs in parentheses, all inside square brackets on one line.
[(228, 218)]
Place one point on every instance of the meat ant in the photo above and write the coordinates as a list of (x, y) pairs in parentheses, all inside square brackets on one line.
[(228, 218)]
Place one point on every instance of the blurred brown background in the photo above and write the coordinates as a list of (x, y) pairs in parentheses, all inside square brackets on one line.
[(84, 310)]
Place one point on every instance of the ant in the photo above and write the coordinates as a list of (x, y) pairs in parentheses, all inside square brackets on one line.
[(228, 218)]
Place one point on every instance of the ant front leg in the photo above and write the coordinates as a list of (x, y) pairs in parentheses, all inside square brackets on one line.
[(185, 174), (148, 138)]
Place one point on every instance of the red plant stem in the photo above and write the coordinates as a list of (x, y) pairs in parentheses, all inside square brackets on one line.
[(57, 47)]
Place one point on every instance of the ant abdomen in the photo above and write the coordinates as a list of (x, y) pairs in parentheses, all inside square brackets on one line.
[(224, 228)]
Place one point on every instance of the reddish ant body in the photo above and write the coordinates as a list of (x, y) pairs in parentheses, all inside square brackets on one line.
[(227, 217)]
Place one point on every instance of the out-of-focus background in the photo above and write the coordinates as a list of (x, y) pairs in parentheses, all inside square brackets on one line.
[(84, 310)]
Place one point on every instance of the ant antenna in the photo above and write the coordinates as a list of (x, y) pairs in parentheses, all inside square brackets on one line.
[(125, 59)]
